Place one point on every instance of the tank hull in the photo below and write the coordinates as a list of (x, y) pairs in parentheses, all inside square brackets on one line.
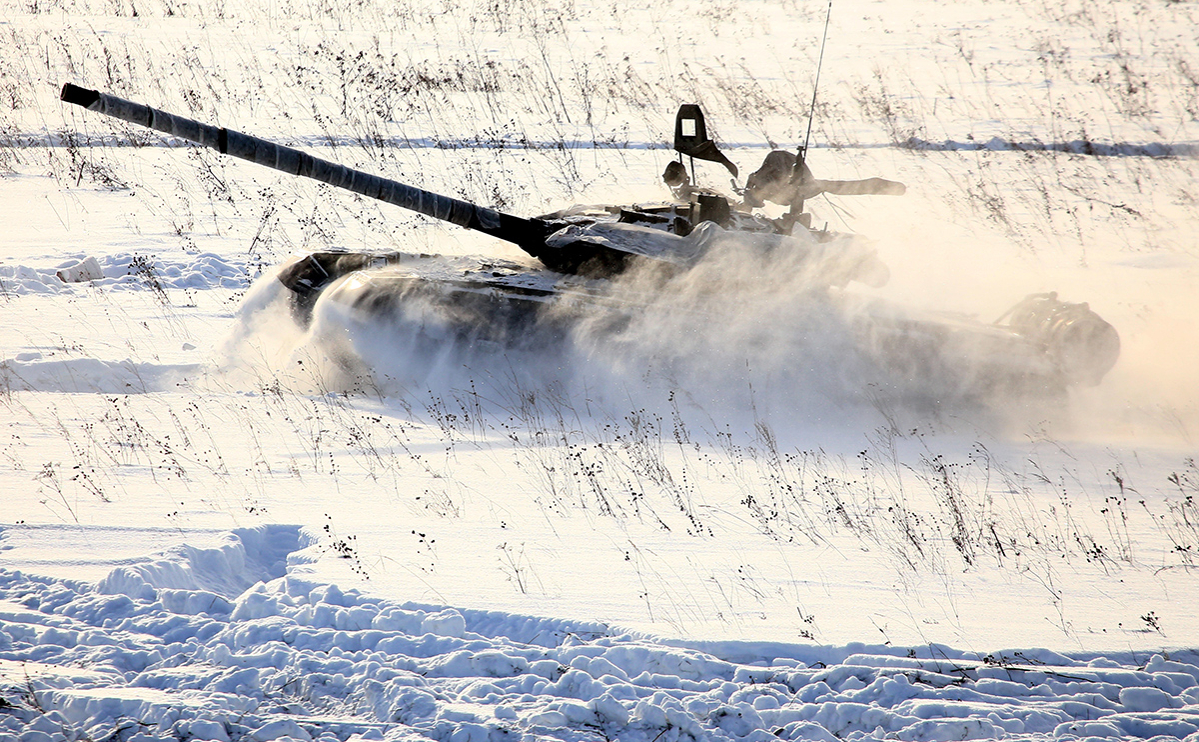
[(593, 261), (482, 304)]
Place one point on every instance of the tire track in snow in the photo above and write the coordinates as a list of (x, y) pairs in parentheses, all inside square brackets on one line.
[(324, 141)]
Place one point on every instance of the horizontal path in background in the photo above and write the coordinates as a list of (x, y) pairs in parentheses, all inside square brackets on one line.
[(994, 144)]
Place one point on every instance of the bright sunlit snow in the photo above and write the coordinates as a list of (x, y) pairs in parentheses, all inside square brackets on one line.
[(715, 524)]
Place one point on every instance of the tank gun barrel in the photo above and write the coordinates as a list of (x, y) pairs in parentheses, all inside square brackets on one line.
[(528, 234)]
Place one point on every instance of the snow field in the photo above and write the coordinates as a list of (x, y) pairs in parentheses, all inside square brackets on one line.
[(163, 649), (480, 494), (155, 421), (477, 558)]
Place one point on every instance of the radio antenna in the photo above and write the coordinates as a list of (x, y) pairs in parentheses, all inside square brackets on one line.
[(816, 85)]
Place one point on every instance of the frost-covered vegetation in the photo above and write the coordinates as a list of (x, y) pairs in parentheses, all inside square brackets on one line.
[(590, 544)]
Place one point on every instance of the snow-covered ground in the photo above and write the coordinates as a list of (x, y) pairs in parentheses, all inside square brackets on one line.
[(156, 649), (209, 532)]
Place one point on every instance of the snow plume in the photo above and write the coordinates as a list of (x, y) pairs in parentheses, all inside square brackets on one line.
[(398, 334), (749, 331), (750, 328), (1147, 295), (760, 329), (785, 331), (1099, 236), (268, 344), (1151, 394)]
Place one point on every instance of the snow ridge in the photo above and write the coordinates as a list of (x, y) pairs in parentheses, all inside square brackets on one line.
[(173, 652), (200, 271)]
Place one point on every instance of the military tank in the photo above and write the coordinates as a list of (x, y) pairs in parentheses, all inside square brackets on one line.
[(581, 253)]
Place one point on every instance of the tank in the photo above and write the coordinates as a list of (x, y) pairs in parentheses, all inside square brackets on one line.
[(1042, 344)]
